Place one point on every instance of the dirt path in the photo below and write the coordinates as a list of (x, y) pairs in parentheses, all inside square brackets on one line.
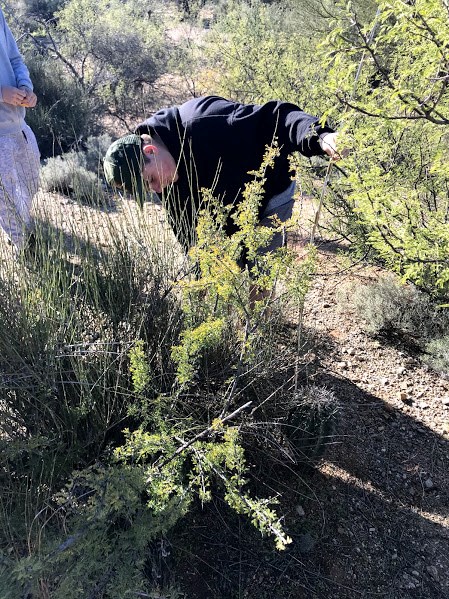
[(383, 487)]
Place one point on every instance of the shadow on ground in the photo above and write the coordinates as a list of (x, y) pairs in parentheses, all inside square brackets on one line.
[(366, 522)]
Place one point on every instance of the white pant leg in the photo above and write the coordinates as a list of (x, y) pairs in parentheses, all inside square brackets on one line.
[(19, 181)]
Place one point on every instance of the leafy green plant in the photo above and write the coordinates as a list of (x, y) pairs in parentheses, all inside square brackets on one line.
[(393, 186), (113, 51), (62, 115), (127, 383), (257, 52)]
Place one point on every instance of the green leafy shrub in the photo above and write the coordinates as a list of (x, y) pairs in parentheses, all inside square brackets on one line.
[(43, 9), (389, 82), (256, 52), (114, 52), (126, 386)]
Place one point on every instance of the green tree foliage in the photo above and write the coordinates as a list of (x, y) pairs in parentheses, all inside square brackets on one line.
[(113, 49), (43, 9), (395, 188), (257, 52), (62, 116)]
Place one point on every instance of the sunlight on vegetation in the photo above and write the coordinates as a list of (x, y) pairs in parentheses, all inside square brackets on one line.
[(138, 385)]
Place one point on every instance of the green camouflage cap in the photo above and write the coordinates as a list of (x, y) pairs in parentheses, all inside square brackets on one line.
[(123, 165)]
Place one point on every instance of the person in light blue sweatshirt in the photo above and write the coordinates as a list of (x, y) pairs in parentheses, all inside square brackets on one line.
[(19, 153)]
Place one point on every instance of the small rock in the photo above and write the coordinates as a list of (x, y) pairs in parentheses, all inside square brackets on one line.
[(428, 484), (445, 401), (326, 305), (300, 511), (433, 571), (408, 584), (384, 381), (403, 396), (401, 370), (351, 351), (423, 405), (342, 364)]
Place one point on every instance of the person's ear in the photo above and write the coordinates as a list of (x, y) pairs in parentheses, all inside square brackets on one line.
[(149, 149)]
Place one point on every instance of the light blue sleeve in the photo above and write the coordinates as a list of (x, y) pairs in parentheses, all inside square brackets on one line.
[(15, 58)]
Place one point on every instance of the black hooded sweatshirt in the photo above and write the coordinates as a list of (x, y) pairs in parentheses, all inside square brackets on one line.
[(216, 143)]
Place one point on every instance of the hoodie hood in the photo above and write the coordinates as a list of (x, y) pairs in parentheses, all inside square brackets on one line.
[(168, 126)]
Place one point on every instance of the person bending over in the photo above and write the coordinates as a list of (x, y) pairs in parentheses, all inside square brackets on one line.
[(213, 143)]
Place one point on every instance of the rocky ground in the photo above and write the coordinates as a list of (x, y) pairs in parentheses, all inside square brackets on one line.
[(372, 519), (383, 486)]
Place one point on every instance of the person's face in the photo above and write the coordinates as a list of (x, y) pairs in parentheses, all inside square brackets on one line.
[(159, 169)]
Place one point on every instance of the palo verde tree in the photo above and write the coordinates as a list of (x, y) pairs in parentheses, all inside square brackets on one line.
[(395, 187)]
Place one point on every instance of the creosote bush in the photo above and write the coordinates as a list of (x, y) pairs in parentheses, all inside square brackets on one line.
[(127, 385)]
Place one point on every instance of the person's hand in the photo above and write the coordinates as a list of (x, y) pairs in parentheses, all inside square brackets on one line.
[(13, 95), (329, 144), (30, 99)]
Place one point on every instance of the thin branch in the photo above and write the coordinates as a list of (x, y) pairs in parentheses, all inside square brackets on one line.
[(200, 435)]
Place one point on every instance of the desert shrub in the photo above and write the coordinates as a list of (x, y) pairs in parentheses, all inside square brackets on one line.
[(390, 307), (389, 84), (114, 51), (437, 354), (93, 152), (42, 9), (256, 52), (126, 387), (66, 174), (61, 118)]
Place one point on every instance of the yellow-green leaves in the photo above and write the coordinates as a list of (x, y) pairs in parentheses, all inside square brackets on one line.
[(139, 368), (193, 341)]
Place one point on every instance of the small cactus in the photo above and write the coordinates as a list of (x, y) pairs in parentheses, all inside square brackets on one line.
[(311, 422)]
